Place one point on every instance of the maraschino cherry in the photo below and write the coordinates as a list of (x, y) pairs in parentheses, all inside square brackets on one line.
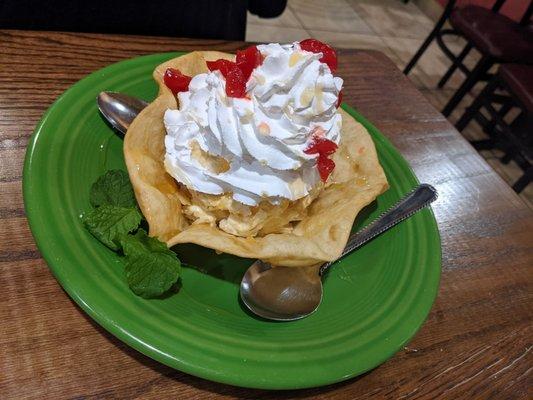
[(176, 81), (324, 148)]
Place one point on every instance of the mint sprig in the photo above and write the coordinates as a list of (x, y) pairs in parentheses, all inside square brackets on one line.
[(114, 189), (107, 223), (151, 268)]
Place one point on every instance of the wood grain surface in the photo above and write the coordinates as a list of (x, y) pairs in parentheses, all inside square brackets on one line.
[(475, 343)]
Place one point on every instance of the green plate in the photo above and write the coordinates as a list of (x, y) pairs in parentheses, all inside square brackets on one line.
[(374, 302)]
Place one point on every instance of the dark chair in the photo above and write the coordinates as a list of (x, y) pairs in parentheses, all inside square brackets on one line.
[(514, 138), (498, 38)]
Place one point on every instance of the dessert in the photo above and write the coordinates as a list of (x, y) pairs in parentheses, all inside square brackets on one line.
[(249, 160), (250, 154)]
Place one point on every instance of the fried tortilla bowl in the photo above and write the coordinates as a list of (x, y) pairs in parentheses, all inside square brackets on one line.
[(319, 237)]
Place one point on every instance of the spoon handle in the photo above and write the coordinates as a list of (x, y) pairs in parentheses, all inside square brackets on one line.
[(419, 198)]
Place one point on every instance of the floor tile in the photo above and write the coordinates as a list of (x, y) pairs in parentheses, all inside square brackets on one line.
[(355, 41), (488, 155), (457, 43), (350, 40), (286, 20), (474, 132), (271, 34), (333, 15), (432, 65), (437, 97), (497, 166), (393, 18), (511, 173), (431, 8)]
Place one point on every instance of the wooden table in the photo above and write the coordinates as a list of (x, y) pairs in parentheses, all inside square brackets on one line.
[(477, 339)]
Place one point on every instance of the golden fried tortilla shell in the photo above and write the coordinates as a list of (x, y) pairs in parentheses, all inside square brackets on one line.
[(356, 181)]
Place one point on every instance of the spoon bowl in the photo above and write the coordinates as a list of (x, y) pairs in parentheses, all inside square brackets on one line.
[(265, 291), (119, 109)]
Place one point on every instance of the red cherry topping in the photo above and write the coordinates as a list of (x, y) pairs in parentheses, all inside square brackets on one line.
[(325, 166), (222, 65), (176, 81), (249, 59), (339, 101), (235, 82), (324, 148), (329, 56)]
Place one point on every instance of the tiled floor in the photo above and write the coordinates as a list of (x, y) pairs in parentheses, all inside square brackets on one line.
[(390, 26)]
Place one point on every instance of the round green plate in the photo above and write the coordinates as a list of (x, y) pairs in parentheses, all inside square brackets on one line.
[(374, 302)]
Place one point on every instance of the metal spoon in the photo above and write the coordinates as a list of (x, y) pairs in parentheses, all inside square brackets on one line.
[(289, 293), (119, 109)]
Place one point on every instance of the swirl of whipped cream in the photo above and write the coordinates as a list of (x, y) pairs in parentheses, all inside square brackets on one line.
[(253, 147)]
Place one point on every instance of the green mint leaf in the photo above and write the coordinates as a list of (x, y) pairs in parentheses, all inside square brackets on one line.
[(151, 268), (113, 189), (107, 222)]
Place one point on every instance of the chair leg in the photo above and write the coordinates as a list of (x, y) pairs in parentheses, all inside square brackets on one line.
[(469, 114), (429, 39), (480, 69), (455, 64), (521, 122), (483, 144), (507, 157), (473, 109), (524, 180), (419, 52), (506, 107)]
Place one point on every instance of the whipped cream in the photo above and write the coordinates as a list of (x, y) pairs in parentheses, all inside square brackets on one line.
[(253, 147)]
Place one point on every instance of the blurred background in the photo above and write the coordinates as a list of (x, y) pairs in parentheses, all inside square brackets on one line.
[(461, 46), (398, 29)]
